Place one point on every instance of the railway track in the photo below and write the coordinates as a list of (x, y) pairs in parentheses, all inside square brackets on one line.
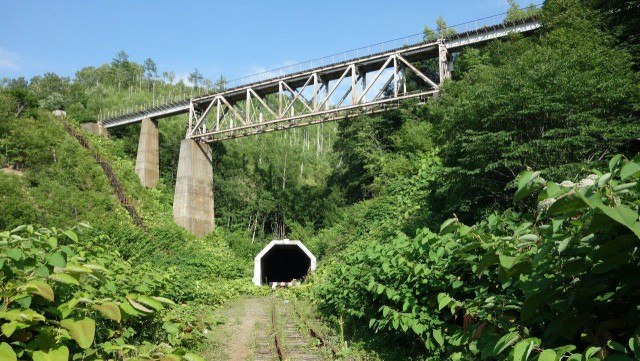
[(291, 337)]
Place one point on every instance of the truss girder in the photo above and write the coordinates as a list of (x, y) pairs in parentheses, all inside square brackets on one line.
[(298, 101)]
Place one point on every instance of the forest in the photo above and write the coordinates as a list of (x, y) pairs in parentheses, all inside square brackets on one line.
[(499, 221)]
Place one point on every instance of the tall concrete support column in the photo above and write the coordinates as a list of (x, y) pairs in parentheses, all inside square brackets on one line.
[(193, 198), (147, 161)]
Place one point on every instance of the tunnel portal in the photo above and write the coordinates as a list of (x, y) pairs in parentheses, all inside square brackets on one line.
[(283, 261)]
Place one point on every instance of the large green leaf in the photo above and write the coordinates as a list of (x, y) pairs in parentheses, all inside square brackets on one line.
[(138, 306), (59, 354), (6, 353), (569, 203), (22, 315), (443, 300), (547, 355), (613, 163), (507, 261), (505, 341), (446, 224), (64, 278), (148, 301), (629, 169), (42, 289), (520, 350), (437, 335), (76, 269), (616, 346), (110, 310), (528, 182), (623, 215), (72, 235), (56, 259), (9, 328), (129, 310), (164, 300), (14, 253), (634, 346), (82, 331)]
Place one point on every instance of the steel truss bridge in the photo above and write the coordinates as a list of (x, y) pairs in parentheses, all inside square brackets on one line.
[(365, 84)]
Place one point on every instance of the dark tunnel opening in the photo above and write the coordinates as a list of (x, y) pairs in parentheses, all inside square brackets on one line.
[(284, 263)]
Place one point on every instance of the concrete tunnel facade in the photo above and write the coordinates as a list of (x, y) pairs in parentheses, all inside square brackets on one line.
[(283, 261)]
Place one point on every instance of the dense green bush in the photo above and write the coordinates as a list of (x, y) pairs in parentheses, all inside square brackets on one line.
[(65, 295), (558, 282)]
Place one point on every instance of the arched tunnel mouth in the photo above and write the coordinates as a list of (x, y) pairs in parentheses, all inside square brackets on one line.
[(284, 263)]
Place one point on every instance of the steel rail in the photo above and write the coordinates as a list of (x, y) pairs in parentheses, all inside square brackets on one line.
[(276, 337)]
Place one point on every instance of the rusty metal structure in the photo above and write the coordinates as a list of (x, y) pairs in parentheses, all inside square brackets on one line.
[(373, 81)]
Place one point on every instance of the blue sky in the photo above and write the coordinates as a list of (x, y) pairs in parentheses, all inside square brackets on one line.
[(234, 38)]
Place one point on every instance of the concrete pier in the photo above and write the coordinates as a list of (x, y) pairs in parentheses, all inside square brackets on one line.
[(147, 161), (193, 198)]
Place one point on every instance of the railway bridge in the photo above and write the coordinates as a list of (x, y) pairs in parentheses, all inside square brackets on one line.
[(365, 81)]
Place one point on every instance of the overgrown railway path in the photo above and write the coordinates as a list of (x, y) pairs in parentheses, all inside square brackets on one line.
[(271, 328)]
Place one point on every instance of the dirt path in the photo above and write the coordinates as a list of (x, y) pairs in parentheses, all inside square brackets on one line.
[(234, 336)]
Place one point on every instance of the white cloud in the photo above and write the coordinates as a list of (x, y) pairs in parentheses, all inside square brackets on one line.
[(9, 60)]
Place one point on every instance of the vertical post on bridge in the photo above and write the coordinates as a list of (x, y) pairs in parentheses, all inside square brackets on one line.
[(280, 99), (443, 69), (354, 80), (315, 92), (193, 197), (363, 75), (247, 111), (147, 160), (395, 76)]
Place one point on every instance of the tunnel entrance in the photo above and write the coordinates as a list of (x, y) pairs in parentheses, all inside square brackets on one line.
[(283, 261)]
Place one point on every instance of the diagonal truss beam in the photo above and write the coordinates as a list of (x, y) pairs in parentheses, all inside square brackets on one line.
[(418, 72)]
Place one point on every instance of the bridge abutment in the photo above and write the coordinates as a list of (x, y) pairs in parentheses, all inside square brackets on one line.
[(193, 198), (148, 159), (94, 128)]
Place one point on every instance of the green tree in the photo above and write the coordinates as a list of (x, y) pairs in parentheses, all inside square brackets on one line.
[(150, 69), (556, 105), (170, 76), (195, 78), (220, 84), (123, 71), (442, 30), (516, 12), (621, 18), (207, 83)]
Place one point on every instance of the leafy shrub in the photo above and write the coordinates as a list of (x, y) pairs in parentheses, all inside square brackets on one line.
[(66, 297), (558, 282)]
